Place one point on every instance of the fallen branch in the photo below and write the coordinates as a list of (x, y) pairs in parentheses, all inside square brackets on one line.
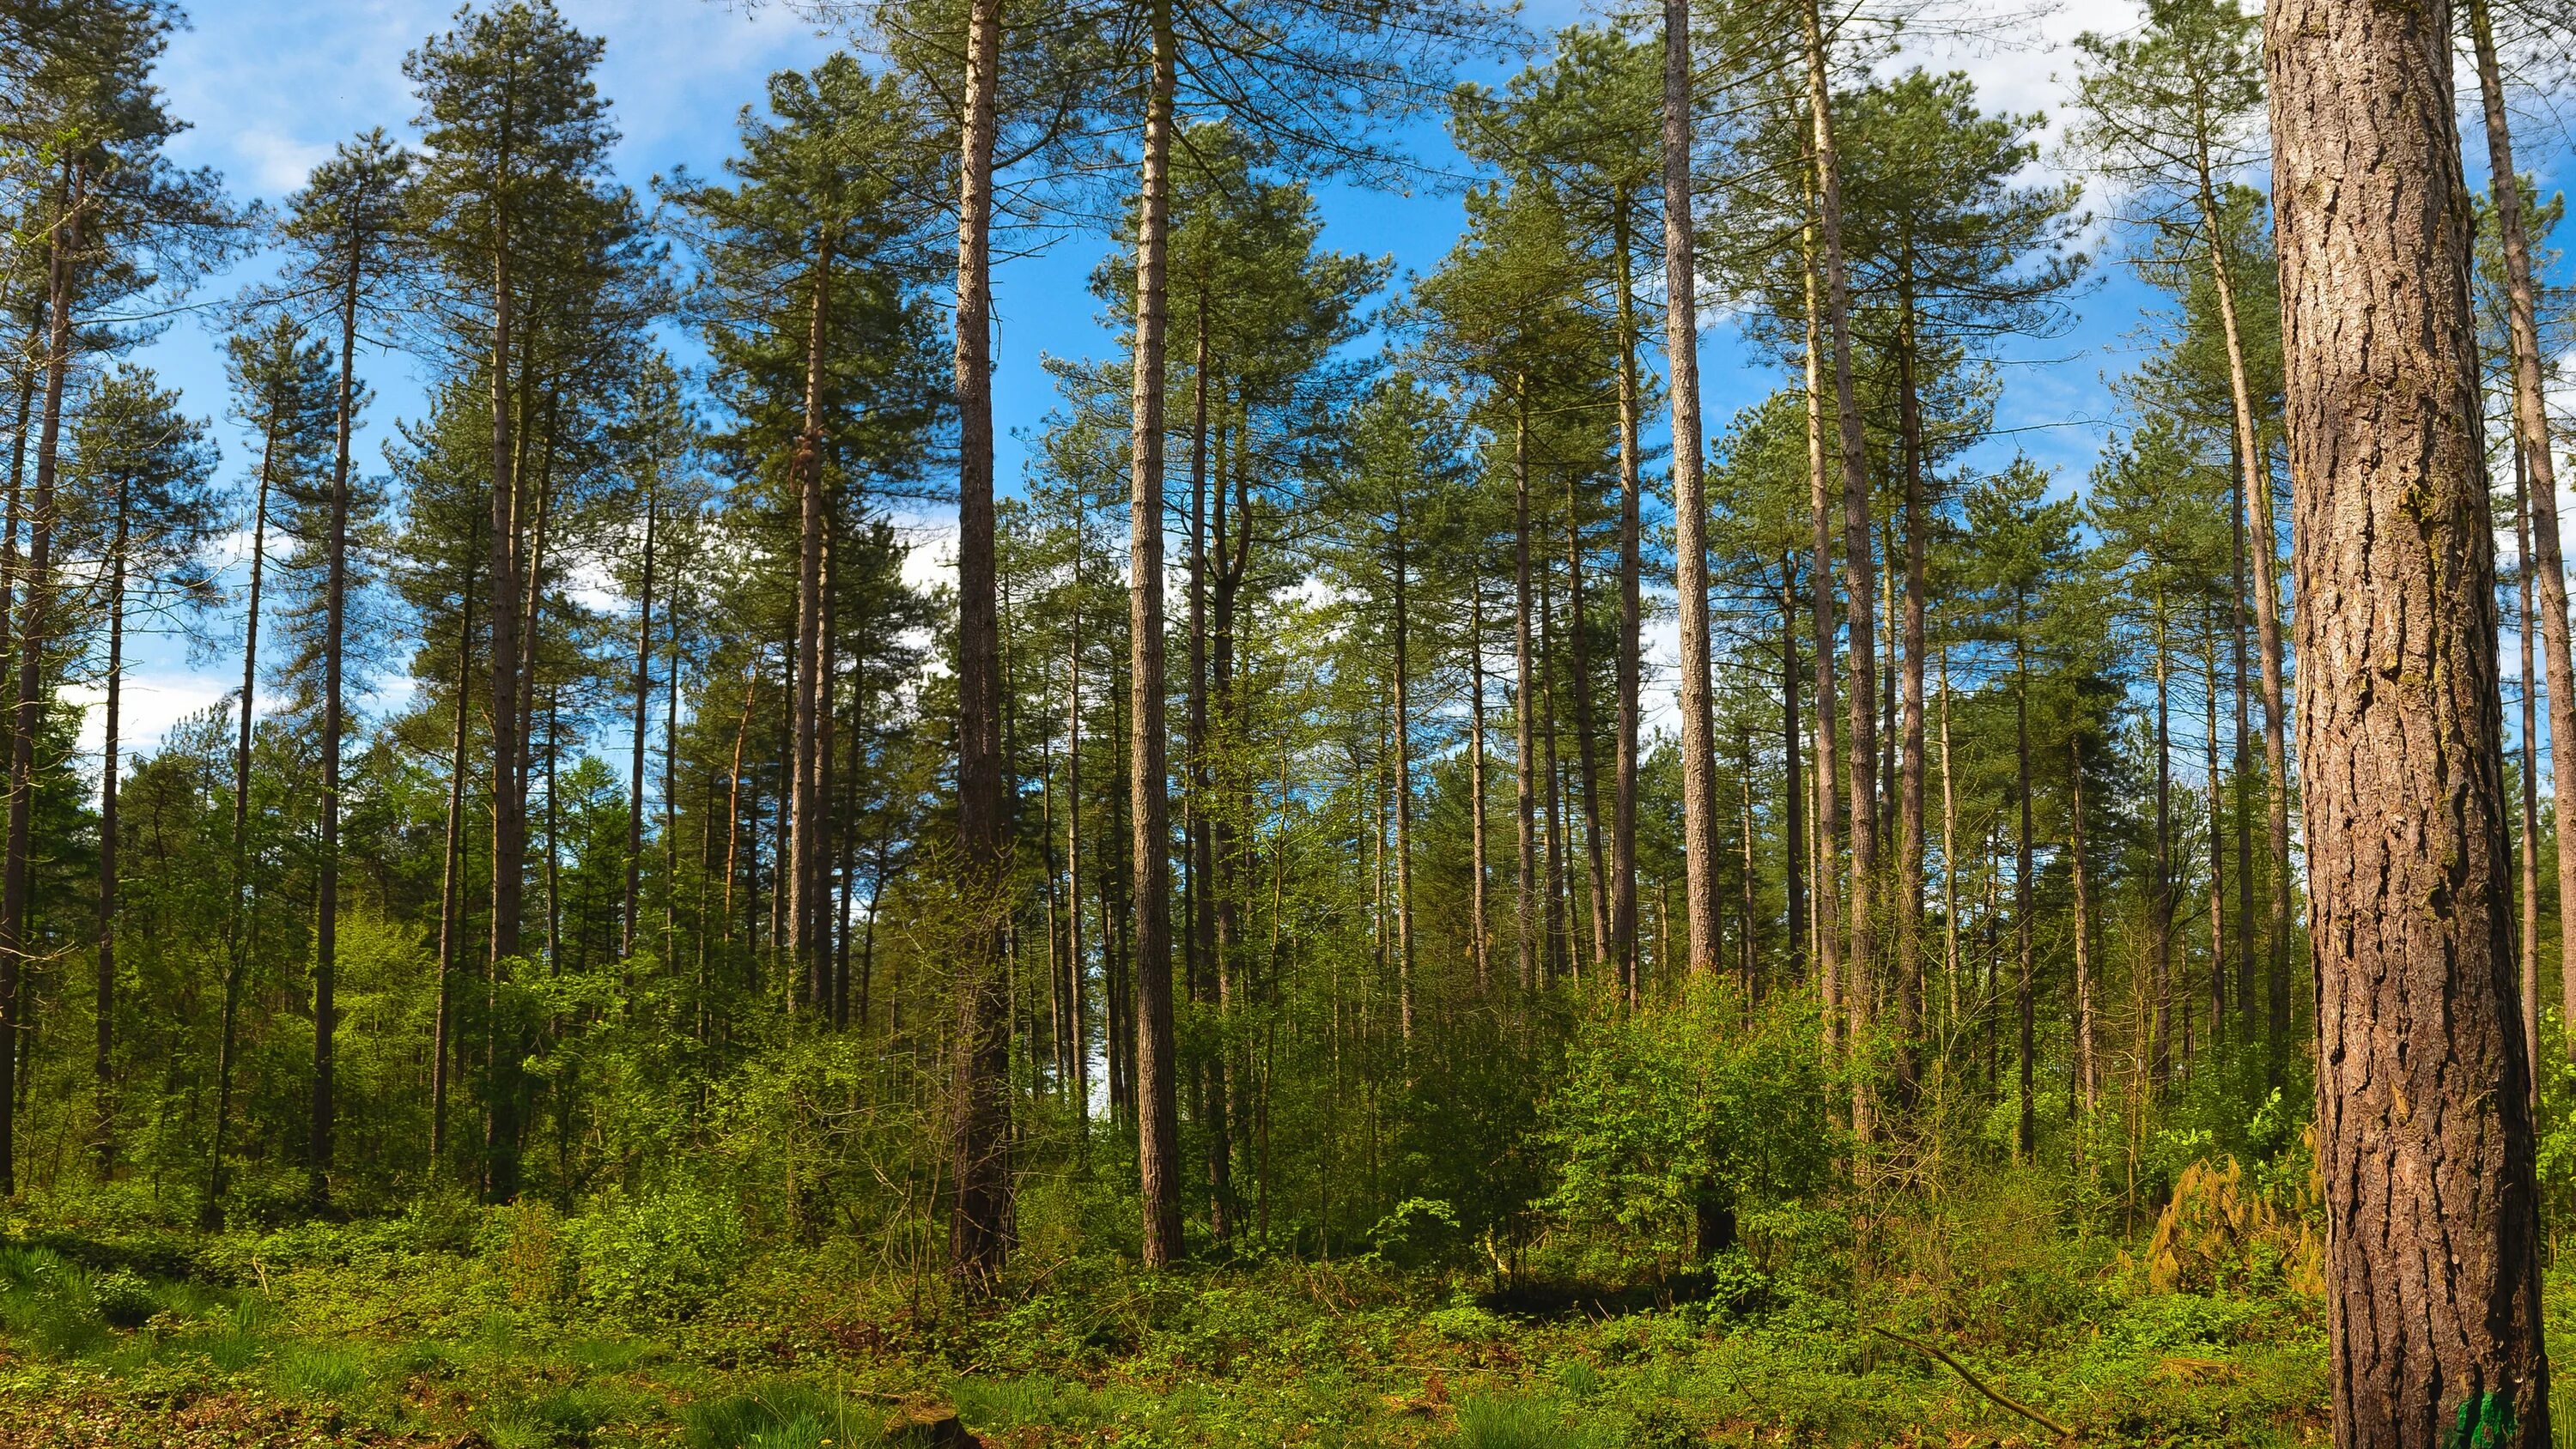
[(2026, 1411)]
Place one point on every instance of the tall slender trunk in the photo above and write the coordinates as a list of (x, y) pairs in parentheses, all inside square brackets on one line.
[(1586, 761), (1858, 585), (335, 624), (635, 765), (451, 885), (2160, 904), (1403, 786), (1793, 791), (2217, 829), (1690, 505), (2425, 1142), (1078, 1007), (1828, 776), (1910, 829), (103, 1062), (35, 632), (2530, 772), (1158, 1143), (1949, 856), (2256, 479), (808, 831), (2088, 1074), (2244, 763), (2025, 1006), (1524, 696), (1478, 918), (2531, 436), (1623, 820), (1560, 938), (979, 1231)]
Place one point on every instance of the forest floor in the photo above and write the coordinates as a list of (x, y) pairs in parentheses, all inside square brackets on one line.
[(402, 1332)]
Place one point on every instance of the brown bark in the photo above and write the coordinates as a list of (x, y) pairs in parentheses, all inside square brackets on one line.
[(451, 883), (1858, 584), (979, 1224), (102, 1065), (1524, 698), (1690, 507), (1586, 760), (1623, 807), (2530, 775), (1158, 1141), (2424, 1135), (628, 916), (1478, 923), (35, 631), (1910, 830), (1828, 775), (807, 803)]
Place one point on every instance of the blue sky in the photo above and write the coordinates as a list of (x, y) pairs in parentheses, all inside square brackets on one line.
[(270, 85)]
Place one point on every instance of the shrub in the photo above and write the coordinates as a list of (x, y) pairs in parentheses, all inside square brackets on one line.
[(659, 1256)]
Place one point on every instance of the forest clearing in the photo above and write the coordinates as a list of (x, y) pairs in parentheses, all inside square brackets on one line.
[(857, 732)]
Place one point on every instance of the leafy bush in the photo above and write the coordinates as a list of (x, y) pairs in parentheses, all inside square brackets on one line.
[(123, 1298), (659, 1256), (1664, 1110), (1421, 1231)]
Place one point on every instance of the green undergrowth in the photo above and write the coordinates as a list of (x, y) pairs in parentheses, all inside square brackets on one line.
[(484, 1323)]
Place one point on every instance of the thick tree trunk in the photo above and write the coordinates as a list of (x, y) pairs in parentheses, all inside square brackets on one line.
[(1690, 506), (2424, 1134), (1158, 1143), (979, 1223)]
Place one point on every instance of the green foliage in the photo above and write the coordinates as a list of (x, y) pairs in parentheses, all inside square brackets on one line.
[(1661, 1108), (660, 1255)]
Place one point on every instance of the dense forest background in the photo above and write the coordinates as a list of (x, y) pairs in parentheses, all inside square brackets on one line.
[(1366, 794)]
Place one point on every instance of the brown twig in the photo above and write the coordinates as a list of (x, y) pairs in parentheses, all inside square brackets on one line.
[(2027, 1412)]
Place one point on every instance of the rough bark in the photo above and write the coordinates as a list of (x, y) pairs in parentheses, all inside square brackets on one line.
[(1623, 808), (1158, 1142), (979, 1224), (1701, 899), (2424, 1137)]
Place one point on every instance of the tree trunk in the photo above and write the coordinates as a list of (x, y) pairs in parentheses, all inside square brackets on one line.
[(102, 1064), (35, 631), (1793, 791), (451, 883), (1478, 922), (335, 621), (2256, 479), (2160, 908), (2026, 1134), (1403, 789), (2530, 774), (1829, 942), (1910, 830), (808, 831), (2531, 438), (1859, 601), (1158, 1142), (2088, 1075), (635, 766), (2425, 1139), (1690, 506), (1586, 762), (1623, 821), (1524, 696)]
